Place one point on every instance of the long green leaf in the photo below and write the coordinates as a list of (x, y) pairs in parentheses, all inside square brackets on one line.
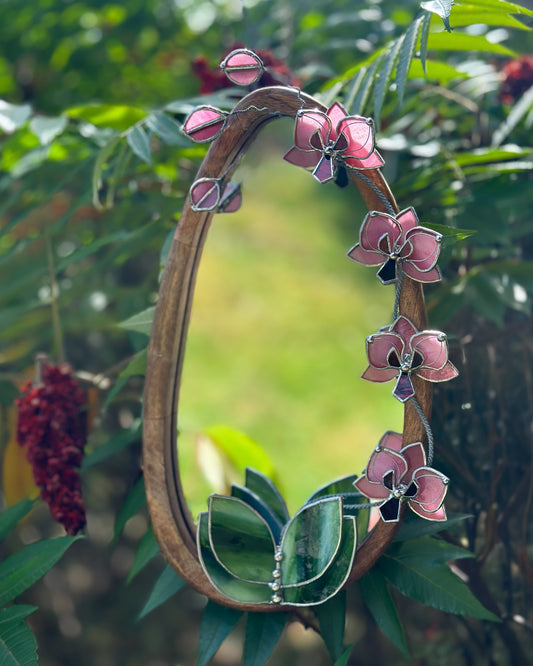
[(377, 597), (141, 322), (167, 129), (460, 41), (167, 585), (362, 94), (501, 6), (405, 56), (18, 646), (424, 33), (16, 612), (22, 569), (441, 8), (135, 500), (383, 76), (139, 142), (148, 548), (332, 619), (343, 661), (11, 516), (117, 443), (519, 110), (263, 631), (413, 528), (217, 623)]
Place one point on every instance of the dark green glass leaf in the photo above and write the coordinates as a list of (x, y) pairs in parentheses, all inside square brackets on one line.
[(263, 631), (217, 623), (433, 585), (166, 586), (343, 661), (135, 500), (311, 541), (17, 644), (332, 619), (413, 527), (167, 129), (265, 488), (377, 597), (332, 580), (343, 486), (240, 539), (11, 516), (225, 583), (24, 568), (257, 503), (148, 548), (139, 142)]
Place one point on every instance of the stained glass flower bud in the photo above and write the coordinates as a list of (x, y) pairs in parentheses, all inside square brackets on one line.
[(204, 124), (242, 67)]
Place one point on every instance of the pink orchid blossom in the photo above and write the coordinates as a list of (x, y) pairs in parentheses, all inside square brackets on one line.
[(400, 351), (324, 141), (395, 475), (398, 240)]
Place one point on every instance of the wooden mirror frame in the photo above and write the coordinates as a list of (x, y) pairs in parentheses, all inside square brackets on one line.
[(171, 519)]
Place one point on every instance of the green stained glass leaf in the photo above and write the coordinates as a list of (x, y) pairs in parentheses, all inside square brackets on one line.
[(166, 586), (265, 488), (332, 619), (240, 539), (257, 503), (217, 623), (343, 486), (263, 631), (333, 579), (225, 583), (311, 541), (377, 597)]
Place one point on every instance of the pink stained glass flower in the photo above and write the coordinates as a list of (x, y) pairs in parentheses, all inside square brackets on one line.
[(242, 67), (326, 141), (394, 241), (395, 475), (400, 351), (204, 123)]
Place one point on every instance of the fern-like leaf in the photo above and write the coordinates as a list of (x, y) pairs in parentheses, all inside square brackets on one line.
[(424, 34), (362, 94), (405, 58), (384, 76)]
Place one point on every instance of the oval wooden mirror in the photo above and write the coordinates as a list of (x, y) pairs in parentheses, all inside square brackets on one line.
[(171, 519)]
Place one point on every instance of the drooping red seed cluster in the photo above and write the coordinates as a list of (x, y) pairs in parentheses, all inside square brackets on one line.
[(213, 78), (51, 428), (517, 78)]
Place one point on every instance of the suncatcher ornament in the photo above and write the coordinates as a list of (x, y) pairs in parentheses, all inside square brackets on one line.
[(246, 552)]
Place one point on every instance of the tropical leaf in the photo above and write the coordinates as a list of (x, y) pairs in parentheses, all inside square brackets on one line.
[(405, 56), (17, 642), (166, 586), (332, 619), (361, 96), (134, 501), (139, 142), (343, 661), (140, 323), (383, 75), (263, 631), (424, 33), (148, 548), (217, 623)]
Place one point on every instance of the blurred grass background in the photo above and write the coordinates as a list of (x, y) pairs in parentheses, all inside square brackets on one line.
[(277, 339)]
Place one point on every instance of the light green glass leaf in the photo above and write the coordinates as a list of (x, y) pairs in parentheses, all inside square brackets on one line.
[(139, 142), (332, 620), (263, 631), (217, 623), (167, 129), (332, 581), (258, 504), (11, 516), (141, 322), (22, 569), (46, 129), (147, 549), (311, 541), (17, 644), (433, 585), (265, 488), (166, 586), (240, 539), (375, 591), (225, 583)]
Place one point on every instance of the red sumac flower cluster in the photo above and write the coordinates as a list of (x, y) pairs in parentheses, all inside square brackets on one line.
[(51, 428)]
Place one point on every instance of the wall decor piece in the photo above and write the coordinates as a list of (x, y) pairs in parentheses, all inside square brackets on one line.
[(246, 551)]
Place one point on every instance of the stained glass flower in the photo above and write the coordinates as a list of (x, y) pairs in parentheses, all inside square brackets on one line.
[(326, 141), (398, 240), (395, 475), (400, 351)]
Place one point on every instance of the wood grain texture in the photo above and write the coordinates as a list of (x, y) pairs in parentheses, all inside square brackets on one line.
[(170, 515)]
